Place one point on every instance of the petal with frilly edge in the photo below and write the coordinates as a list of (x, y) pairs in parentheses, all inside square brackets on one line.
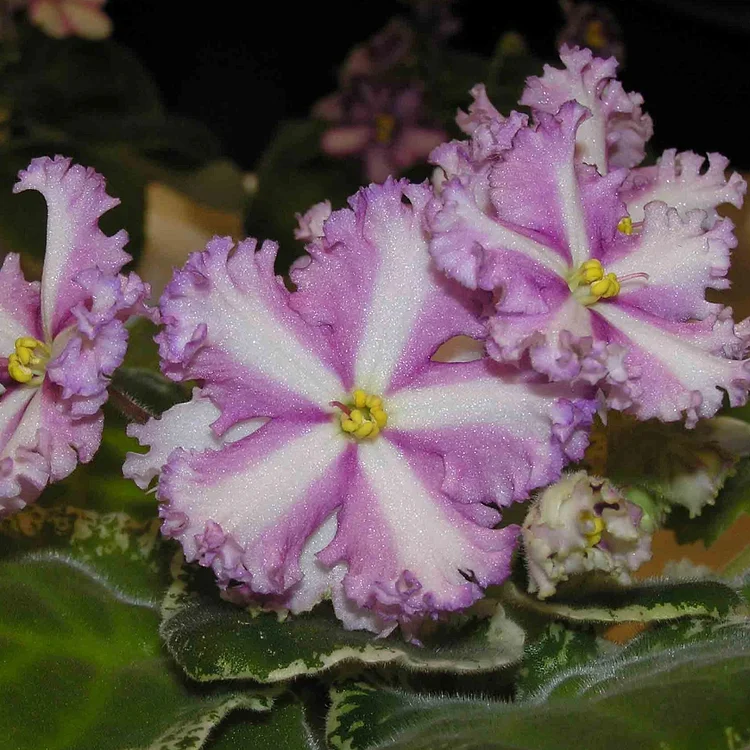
[(76, 199), (682, 181), (501, 432), (420, 555), (371, 282), (681, 258), (39, 442), (683, 368), (617, 132), (228, 323), (248, 509), (95, 345), (186, 426), (542, 188), (19, 306)]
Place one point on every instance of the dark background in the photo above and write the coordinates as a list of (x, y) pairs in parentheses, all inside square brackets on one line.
[(240, 67)]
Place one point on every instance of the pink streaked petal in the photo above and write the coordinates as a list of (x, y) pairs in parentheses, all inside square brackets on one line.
[(617, 132), (19, 305), (461, 232), (683, 368), (681, 259), (23, 470), (346, 140), (373, 284), (228, 322), (187, 426), (481, 112), (76, 199), (248, 509), (540, 186), (682, 181), (66, 438), (40, 442), (421, 555), (495, 427), (86, 355)]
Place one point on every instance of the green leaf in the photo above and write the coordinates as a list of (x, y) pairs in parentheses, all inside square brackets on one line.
[(597, 600), (82, 665), (193, 729), (732, 502), (671, 465), (214, 640), (128, 554), (284, 728), (557, 649), (683, 690)]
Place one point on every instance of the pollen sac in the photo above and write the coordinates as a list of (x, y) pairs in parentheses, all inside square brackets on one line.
[(364, 417), (27, 364)]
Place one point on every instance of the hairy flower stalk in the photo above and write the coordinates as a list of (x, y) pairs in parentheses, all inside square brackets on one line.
[(61, 340), (598, 269), (326, 452)]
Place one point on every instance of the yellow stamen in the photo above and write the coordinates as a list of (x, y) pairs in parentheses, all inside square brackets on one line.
[(363, 417), (28, 362), (607, 287), (593, 526), (590, 283), (384, 127), (626, 225)]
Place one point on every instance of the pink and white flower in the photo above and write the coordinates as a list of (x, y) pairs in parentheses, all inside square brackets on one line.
[(326, 451), (596, 277), (61, 339), (582, 524)]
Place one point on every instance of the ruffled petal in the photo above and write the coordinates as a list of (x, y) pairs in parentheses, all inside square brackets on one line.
[(186, 426), (540, 186), (616, 133), (420, 555), (86, 355), (681, 259), (582, 524), (501, 432), (19, 306), (228, 323), (682, 181), (76, 199), (23, 470), (248, 509), (683, 368), (372, 283), (40, 442), (461, 231)]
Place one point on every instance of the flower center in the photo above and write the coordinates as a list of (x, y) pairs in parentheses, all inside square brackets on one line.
[(384, 126), (591, 282), (592, 527), (363, 417), (28, 362)]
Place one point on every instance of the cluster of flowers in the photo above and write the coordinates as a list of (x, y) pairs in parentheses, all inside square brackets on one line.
[(378, 113), (341, 442)]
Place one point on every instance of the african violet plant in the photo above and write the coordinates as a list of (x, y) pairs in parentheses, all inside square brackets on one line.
[(358, 562)]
